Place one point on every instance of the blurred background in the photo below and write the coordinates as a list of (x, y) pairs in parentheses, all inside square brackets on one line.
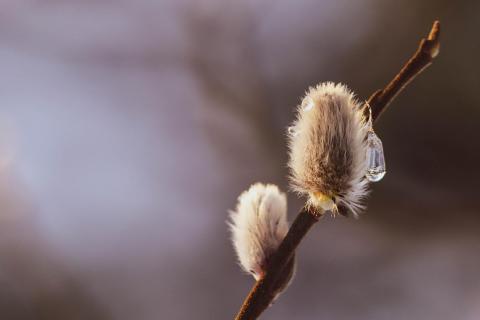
[(129, 128)]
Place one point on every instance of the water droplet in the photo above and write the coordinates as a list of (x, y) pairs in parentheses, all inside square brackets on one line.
[(293, 131), (308, 104), (375, 159)]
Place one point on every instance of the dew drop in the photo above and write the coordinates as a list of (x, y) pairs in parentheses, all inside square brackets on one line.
[(308, 104), (293, 131), (376, 169)]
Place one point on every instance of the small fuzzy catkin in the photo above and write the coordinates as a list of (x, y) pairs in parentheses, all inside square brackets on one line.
[(328, 149), (258, 226)]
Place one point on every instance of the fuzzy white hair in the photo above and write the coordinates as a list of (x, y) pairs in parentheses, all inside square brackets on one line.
[(328, 148), (258, 226)]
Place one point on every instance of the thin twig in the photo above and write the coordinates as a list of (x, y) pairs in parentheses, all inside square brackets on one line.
[(423, 57), (261, 295)]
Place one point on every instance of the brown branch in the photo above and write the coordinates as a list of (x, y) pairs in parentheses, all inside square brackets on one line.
[(426, 52), (261, 295)]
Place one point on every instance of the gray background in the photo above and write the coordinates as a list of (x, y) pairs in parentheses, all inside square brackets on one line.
[(128, 129)]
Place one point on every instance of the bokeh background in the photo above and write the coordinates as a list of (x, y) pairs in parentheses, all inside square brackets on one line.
[(128, 129)]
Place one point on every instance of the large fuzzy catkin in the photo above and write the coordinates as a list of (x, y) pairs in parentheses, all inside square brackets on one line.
[(328, 149), (258, 226)]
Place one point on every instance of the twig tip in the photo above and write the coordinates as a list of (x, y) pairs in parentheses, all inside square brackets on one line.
[(435, 31), (431, 45)]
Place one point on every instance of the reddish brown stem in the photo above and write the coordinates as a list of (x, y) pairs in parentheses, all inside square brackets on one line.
[(261, 295), (423, 57)]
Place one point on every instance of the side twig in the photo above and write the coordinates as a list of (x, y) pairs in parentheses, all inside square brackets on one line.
[(261, 295), (423, 57)]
